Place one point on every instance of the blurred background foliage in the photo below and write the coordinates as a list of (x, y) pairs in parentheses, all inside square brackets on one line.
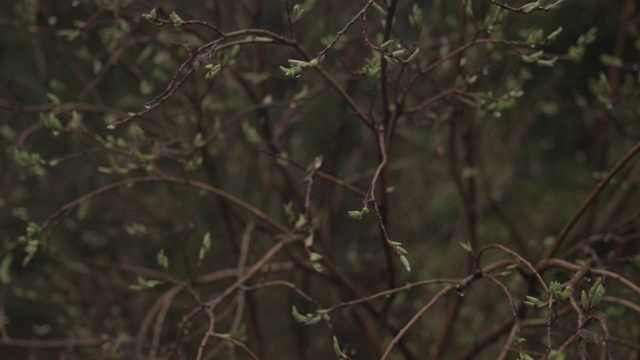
[(119, 142)]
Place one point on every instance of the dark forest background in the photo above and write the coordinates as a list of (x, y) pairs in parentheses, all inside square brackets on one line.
[(382, 179)]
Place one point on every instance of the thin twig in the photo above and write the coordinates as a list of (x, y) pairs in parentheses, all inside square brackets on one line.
[(589, 200)]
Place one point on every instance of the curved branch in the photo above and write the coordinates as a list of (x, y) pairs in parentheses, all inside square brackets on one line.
[(168, 179), (590, 199)]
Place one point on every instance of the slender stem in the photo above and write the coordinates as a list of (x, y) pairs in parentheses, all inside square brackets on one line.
[(589, 200)]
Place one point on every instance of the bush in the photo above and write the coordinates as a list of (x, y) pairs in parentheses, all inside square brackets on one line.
[(267, 179)]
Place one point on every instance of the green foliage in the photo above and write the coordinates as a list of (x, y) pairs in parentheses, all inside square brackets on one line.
[(136, 229), (527, 8), (315, 259), (296, 66), (372, 67), (144, 284), (206, 246), (523, 356), (177, 21), (152, 16), (163, 261), (532, 301), (484, 125), (560, 292), (307, 319), (612, 61), (556, 355), (402, 253), (5, 266), (358, 214), (415, 18), (466, 246), (594, 297), (576, 52), (214, 70), (337, 350)]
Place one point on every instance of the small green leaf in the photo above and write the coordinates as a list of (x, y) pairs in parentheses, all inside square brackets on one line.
[(385, 45), (198, 141), (533, 57), (31, 249), (398, 53), (612, 61), (415, 19), (555, 5), (283, 159), (596, 292), (390, 59), (69, 34), (206, 245), (5, 266), (556, 355), (535, 37), (405, 262), (556, 289), (288, 211), (296, 12), (50, 121), (297, 63), (250, 133), (297, 316), (163, 261), (136, 229), (584, 300), (313, 319), (354, 214), (554, 34), (470, 79), (413, 55), (588, 37), (206, 241), (523, 356), (317, 267), (255, 77), (144, 284), (469, 8), (560, 292), (293, 71), (532, 301), (517, 341), (547, 63), (302, 94), (380, 9), (466, 246), (54, 99), (8, 133), (372, 67), (214, 70), (401, 250), (527, 8), (301, 222), (177, 21), (152, 16), (336, 347)]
